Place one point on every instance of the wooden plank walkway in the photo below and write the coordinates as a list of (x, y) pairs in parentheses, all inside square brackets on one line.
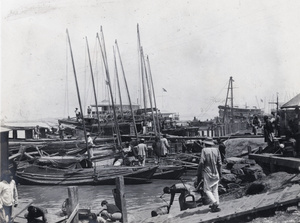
[(235, 208)]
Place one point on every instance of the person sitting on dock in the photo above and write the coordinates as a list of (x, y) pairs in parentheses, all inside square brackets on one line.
[(34, 213), (110, 212), (165, 145), (210, 170), (142, 151), (8, 196)]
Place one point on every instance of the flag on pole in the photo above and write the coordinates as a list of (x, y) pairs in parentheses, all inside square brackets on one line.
[(164, 90)]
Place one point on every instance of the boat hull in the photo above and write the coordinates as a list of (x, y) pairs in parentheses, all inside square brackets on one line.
[(40, 175)]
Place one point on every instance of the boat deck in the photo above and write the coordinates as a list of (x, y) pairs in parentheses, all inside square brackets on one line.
[(231, 209)]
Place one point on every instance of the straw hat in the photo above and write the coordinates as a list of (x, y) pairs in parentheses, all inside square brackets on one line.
[(209, 141)]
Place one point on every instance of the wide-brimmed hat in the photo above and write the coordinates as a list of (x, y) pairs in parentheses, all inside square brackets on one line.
[(209, 141)]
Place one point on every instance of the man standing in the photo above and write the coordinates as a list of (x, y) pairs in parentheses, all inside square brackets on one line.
[(210, 170), (8, 197), (91, 145), (61, 131), (89, 112), (165, 145), (142, 151)]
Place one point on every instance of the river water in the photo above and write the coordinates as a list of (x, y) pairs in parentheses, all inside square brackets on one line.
[(140, 199)]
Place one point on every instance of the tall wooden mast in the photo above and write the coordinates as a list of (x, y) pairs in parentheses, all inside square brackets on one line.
[(230, 88), (142, 69), (111, 93), (78, 95), (94, 88), (126, 85), (149, 93), (153, 91), (118, 83)]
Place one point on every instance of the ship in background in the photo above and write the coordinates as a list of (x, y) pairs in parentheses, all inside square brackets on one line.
[(229, 113)]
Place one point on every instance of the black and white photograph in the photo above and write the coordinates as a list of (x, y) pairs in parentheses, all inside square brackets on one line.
[(139, 111)]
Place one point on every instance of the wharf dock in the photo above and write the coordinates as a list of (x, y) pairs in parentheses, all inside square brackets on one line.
[(276, 162), (230, 210)]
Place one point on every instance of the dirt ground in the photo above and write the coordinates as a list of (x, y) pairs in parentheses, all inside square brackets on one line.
[(235, 147)]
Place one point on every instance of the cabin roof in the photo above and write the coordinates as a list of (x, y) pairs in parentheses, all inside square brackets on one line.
[(293, 103), (4, 129)]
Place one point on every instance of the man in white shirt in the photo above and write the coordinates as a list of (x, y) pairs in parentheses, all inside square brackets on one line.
[(8, 196)]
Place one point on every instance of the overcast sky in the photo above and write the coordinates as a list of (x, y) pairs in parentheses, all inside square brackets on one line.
[(193, 47)]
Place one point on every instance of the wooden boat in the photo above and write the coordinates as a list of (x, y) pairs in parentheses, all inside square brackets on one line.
[(23, 135), (104, 175)]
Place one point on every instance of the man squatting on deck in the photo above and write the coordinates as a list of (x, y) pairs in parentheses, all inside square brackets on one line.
[(8, 197), (210, 170), (110, 212)]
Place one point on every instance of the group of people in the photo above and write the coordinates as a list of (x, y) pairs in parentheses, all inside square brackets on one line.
[(209, 173)]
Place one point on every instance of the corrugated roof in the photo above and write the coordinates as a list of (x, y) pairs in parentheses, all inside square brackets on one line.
[(293, 103)]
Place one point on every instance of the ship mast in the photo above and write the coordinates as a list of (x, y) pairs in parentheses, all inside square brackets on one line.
[(230, 88), (78, 95), (93, 84)]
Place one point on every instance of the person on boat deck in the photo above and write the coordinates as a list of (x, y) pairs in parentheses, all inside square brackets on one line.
[(8, 196), (77, 113), (142, 151), (61, 131), (157, 148), (268, 131), (109, 213), (128, 154), (89, 111), (210, 170), (165, 145), (37, 132), (34, 213), (256, 123), (183, 190), (91, 145)]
